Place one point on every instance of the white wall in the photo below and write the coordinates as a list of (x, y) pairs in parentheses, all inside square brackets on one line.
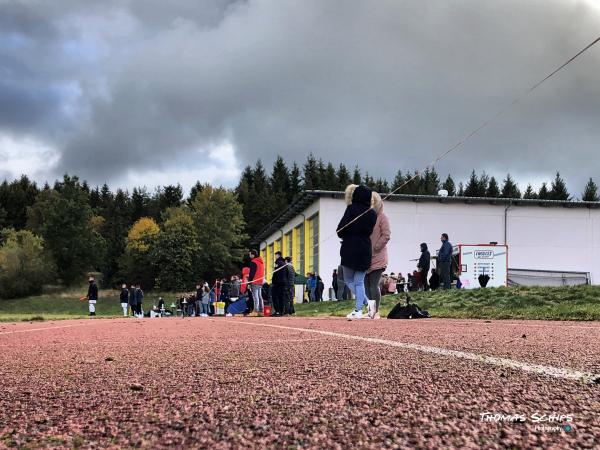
[(542, 238)]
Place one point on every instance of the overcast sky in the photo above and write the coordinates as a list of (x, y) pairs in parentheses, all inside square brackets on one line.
[(158, 92)]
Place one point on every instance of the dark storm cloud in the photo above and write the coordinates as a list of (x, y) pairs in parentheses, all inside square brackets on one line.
[(384, 84)]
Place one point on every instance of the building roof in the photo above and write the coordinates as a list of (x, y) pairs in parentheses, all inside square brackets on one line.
[(307, 198)]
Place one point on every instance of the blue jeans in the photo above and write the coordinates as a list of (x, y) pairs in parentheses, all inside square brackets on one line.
[(355, 280), (257, 296), (205, 308)]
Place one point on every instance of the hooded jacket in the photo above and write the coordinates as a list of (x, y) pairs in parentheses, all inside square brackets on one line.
[(357, 222), (380, 237), (425, 259), (279, 275)]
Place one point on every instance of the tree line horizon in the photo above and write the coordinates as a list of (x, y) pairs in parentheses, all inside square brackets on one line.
[(166, 240)]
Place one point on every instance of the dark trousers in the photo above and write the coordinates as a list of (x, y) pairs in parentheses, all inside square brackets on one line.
[(445, 274), (424, 274), (279, 294), (372, 287)]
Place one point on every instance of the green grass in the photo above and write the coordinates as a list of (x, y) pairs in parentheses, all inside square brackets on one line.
[(57, 305), (543, 303), (562, 303)]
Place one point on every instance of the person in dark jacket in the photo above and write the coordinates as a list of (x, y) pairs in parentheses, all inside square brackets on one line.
[(124, 297), (319, 289), (445, 261), (92, 295), (423, 265), (334, 283), (139, 298), (288, 307), (355, 230), (132, 300), (278, 282)]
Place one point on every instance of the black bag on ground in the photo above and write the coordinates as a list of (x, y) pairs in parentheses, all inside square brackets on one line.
[(407, 311)]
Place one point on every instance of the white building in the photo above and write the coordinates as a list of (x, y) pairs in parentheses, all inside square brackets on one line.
[(549, 242)]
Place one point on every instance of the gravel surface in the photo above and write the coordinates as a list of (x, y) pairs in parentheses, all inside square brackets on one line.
[(232, 383)]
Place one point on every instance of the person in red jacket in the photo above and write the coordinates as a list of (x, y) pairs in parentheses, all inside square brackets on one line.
[(256, 280)]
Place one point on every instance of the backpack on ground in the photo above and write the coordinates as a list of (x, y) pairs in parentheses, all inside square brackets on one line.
[(407, 311)]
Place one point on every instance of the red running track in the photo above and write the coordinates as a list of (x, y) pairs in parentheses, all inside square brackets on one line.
[(298, 383)]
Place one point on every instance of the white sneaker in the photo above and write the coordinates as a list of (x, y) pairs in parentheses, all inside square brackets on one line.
[(371, 311), (355, 315), (228, 315)]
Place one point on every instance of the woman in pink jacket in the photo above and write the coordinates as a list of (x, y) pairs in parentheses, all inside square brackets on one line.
[(379, 259)]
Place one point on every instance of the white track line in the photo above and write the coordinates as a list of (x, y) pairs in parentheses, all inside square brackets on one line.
[(556, 372)]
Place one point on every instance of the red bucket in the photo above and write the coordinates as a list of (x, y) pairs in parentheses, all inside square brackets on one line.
[(267, 310)]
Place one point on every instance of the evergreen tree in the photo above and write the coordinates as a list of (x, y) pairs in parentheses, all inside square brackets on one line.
[(169, 197), (343, 177), (64, 220), (591, 192), (369, 181), (330, 181), (412, 184), (529, 193), (106, 198), (114, 231), (473, 188), (196, 188), (429, 183), (510, 188), (280, 176), (95, 200), (558, 190), (311, 174), (140, 203), (15, 198), (449, 186), (543, 193), (398, 182), (280, 185), (295, 182), (356, 177), (322, 174), (382, 186), (260, 207), (461, 190), (493, 191), (484, 181)]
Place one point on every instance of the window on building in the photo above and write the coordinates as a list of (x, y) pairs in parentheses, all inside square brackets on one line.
[(314, 244), (300, 250), (289, 245)]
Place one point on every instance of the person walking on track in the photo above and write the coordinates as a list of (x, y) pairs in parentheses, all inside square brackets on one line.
[(355, 229)]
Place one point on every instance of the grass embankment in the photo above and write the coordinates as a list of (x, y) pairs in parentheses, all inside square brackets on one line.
[(66, 305), (560, 303), (543, 303)]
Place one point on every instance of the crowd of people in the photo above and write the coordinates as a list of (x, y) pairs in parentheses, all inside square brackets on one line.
[(245, 294), (365, 232)]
